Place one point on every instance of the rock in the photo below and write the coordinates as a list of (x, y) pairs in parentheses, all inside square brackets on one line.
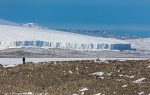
[(82, 93), (70, 72), (77, 68), (1, 66), (54, 63), (98, 59)]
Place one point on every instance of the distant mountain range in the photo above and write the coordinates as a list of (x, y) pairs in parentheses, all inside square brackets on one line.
[(105, 34), (95, 33)]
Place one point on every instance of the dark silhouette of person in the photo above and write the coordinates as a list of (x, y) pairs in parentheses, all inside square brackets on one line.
[(23, 59)]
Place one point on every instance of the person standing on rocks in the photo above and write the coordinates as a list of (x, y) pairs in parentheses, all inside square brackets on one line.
[(23, 59)]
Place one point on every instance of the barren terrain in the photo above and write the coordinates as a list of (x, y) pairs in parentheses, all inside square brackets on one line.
[(86, 77)]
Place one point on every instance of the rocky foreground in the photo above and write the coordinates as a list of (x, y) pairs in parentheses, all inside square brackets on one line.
[(88, 77)]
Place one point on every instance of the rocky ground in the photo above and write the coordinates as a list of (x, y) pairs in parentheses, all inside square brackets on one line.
[(88, 77)]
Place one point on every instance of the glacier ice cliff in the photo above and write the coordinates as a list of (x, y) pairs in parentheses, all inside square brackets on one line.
[(17, 37), (74, 46)]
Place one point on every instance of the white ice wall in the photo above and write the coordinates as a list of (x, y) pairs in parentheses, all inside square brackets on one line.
[(15, 37), (74, 46)]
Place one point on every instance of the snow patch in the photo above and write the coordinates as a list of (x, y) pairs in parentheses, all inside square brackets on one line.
[(97, 73), (108, 74), (139, 80), (99, 94), (26, 93), (101, 77), (126, 76), (124, 86), (141, 93), (13, 65), (148, 67), (84, 89)]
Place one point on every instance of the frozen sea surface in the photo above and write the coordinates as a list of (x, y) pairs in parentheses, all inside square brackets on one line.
[(7, 62)]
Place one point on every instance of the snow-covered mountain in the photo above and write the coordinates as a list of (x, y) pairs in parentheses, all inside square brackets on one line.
[(29, 25), (6, 22), (16, 36), (95, 33), (104, 34), (34, 25)]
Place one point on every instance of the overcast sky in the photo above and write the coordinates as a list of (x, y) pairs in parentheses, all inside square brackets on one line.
[(120, 16)]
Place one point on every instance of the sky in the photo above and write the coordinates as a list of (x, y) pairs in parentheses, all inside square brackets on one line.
[(118, 16)]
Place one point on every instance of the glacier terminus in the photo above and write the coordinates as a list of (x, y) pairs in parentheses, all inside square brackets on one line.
[(19, 36)]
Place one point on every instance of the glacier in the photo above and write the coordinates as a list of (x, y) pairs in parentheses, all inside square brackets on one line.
[(140, 44), (17, 37), (74, 46)]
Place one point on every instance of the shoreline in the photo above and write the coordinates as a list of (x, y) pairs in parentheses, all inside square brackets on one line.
[(17, 61)]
